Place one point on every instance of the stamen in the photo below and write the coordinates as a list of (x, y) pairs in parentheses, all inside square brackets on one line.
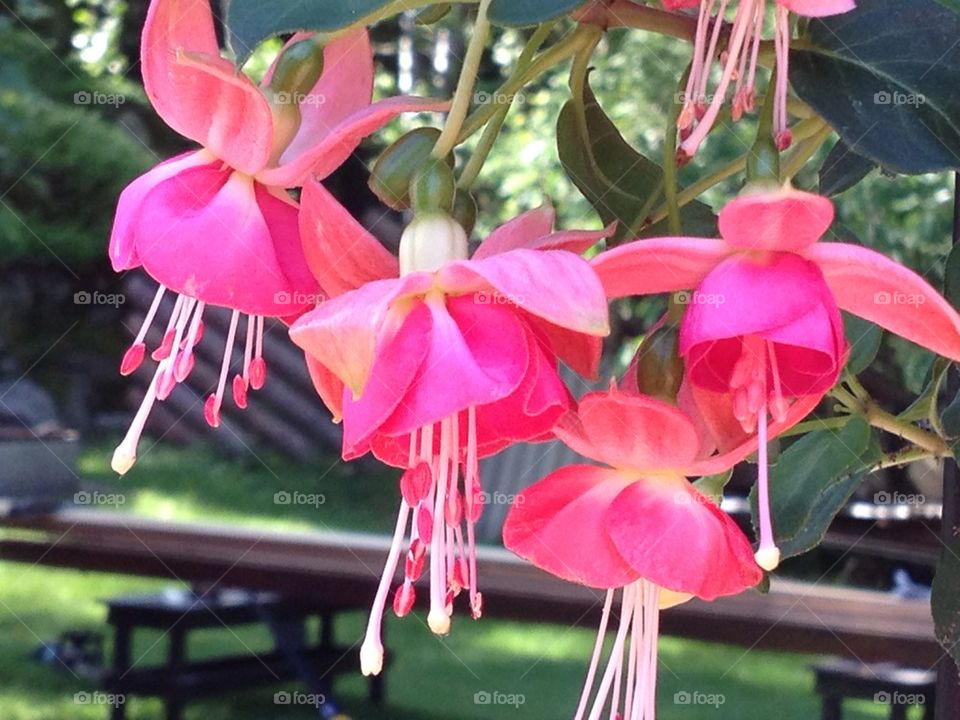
[(474, 509), (133, 357), (186, 361), (782, 134), (595, 659), (211, 409), (616, 653), (258, 366)]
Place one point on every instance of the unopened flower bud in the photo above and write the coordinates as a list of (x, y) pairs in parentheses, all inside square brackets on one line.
[(431, 241)]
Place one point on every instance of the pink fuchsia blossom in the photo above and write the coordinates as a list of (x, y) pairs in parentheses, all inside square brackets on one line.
[(216, 226), (739, 60), (762, 335), (446, 363), (635, 523)]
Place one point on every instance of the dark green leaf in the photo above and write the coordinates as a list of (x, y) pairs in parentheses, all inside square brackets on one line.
[(516, 13), (616, 179), (249, 22), (952, 4), (945, 600), (951, 278), (843, 169), (885, 76), (812, 482), (864, 338), (950, 421)]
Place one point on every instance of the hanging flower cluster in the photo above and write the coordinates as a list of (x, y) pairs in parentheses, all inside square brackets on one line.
[(447, 353)]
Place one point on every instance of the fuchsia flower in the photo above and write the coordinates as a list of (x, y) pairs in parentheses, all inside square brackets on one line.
[(762, 335), (634, 523), (739, 62), (442, 362), (216, 226)]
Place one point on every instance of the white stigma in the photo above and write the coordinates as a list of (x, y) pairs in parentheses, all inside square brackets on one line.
[(371, 656), (768, 557), (439, 622)]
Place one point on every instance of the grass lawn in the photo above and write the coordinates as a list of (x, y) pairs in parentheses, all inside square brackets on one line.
[(431, 679)]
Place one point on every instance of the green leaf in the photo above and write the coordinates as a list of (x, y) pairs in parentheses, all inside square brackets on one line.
[(842, 169), (712, 485), (864, 338), (945, 600), (616, 179), (249, 22), (812, 482), (885, 76), (517, 13), (952, 4)]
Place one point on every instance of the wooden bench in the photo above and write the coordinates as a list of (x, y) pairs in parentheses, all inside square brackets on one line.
[(341, 570)]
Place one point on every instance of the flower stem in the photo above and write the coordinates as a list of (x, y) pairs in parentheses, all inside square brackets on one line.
[(463, 96), (492, 131), (879, 418), (555, 55), (626, 13), (903, 457)]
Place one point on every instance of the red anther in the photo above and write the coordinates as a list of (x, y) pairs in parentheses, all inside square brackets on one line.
[(686, 132), (183, 366), (413, 568), (459, 576), (449, 601), (166, 382), (199, 335), (784, 139), (418, 548), (700, 108), (683, 157), (404, 599), (132, 358), (424, 523), (454, 510), (239, 392), (415, 483), (476, 606), (166, 347), (258, 373), (211, 411)]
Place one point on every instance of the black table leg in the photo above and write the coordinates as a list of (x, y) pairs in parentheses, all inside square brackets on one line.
[(122, 641), (175, 658), (832, 707)]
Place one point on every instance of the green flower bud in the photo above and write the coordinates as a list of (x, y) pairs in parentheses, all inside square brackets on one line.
[(394, 169)]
